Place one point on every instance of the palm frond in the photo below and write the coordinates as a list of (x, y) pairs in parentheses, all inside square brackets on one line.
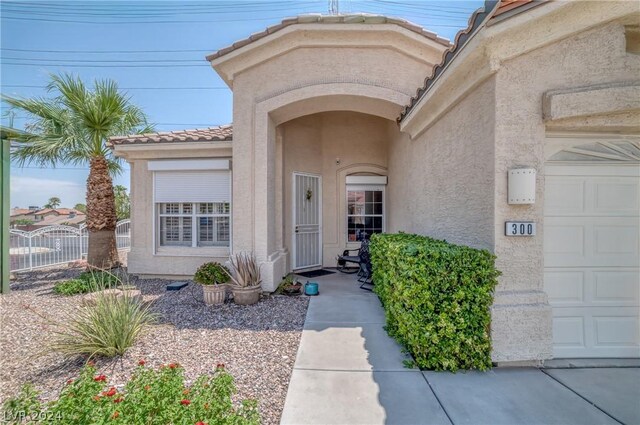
[(73, 126)]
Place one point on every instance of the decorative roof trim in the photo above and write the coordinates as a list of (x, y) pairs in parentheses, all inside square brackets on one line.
[(223, 133), (360, 18), (477, 20)]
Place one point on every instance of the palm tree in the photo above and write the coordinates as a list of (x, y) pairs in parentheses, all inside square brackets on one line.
[(73, 128), (54, 202), (123, 202)]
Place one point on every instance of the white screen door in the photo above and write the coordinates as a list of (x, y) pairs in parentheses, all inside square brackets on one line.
[(307, 221)]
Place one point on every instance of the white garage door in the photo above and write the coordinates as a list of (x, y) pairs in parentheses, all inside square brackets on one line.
[(592, 258)]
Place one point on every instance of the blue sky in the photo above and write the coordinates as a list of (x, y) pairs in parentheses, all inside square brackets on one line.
[(155, 51)]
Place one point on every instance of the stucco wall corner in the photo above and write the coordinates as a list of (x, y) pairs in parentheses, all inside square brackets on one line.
[(521, 332)]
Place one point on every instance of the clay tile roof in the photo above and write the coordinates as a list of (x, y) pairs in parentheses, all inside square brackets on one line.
[(475, 21), (359, 18), (20, 211), (507, 5), (490, 10), (221, 133)]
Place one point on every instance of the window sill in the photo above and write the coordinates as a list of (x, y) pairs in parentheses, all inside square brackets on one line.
[(183, 251)]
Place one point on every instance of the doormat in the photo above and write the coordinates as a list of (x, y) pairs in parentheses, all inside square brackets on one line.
[(315, 273)]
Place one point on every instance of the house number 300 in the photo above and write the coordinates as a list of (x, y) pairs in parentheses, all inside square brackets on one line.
[(520, 228)]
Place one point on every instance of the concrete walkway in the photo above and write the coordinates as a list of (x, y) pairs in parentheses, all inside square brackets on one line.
[(348, 371)]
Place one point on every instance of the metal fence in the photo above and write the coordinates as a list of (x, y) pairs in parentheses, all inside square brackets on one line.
[(53, 245)]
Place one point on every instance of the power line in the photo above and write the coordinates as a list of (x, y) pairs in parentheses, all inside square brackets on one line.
[(126, 88), (142, 13), (105, 66), (140, 22), (200, 61), (155, 5), (106, 51), (125, 22)]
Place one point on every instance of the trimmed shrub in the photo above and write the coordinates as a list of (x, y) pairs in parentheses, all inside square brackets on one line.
[(90, 281), (437, 298), (150, 397), (211, 273)]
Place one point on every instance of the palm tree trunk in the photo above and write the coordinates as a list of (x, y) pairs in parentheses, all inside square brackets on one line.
[(101, 216)]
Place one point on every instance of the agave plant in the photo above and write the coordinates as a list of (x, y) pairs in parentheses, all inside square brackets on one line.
[(246, 271)]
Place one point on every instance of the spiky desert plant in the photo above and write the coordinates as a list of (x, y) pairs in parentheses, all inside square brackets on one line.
[(73, 127), (107, 328), (246, 270)]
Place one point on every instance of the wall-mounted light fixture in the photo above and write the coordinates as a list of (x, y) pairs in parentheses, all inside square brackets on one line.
[(522, 186)]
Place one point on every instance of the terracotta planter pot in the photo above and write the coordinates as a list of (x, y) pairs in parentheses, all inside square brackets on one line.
[(214, 294), (246, 296)]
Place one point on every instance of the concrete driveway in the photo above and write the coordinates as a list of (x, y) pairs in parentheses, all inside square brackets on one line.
[(348, 371)]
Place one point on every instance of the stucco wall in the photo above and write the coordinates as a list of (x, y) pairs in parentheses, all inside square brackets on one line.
[(376, 74), (144, 258), (593, 57), (496, 126), (314, 144), (441, 184)]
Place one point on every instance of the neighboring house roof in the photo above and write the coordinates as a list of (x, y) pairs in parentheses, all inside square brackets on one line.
[(20, 211), (45, 211), (67, 211), (53, 220), (360, 18), (212, 134), (490, 10)]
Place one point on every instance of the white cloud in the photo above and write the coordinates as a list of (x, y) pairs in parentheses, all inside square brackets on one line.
[(27, 191)]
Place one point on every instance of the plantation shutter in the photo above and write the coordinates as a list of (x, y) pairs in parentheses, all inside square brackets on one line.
[(192, 186)]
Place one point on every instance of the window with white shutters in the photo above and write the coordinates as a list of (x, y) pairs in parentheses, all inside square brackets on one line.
[(193, 208)]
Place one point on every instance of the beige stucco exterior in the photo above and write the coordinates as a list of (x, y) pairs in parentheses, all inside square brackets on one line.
[(332, 145), (555, 68), (371, 69), (324, 99), (146, 258)]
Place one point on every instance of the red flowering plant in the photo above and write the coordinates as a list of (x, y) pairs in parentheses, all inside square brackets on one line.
[(150, 396)]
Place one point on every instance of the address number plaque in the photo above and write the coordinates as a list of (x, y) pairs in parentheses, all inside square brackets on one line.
[(520, 228)]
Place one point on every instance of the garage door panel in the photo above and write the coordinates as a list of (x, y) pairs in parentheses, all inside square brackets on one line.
[(564, 242), (591, 241), (588, 332), (616, 286), (564, 287), (616, 197), (568, 332), (615, 331), (592, 287), (616, 243), (591, 196), (592, 259), (565, 196)]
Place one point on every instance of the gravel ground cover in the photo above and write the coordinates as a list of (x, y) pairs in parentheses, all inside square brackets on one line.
[(257, 344)]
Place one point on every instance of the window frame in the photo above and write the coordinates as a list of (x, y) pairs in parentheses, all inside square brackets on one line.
[(194, 215), (188, 251), (364, 187)]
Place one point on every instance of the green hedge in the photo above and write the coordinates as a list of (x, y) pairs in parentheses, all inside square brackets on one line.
[(436, 297)]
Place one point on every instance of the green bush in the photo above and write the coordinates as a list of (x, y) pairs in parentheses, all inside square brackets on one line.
[(90, 281), (211, 274), (150, 397), (437, 298), (107, 328)]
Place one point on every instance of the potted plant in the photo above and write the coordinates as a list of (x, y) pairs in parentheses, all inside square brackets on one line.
[(213, 278), (245, 279), (289, 286)]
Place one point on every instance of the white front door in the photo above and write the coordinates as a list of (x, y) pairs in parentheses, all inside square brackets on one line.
[(307, 221), (592, 258)]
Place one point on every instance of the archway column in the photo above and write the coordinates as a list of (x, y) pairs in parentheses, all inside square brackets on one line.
[(258, 206)]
